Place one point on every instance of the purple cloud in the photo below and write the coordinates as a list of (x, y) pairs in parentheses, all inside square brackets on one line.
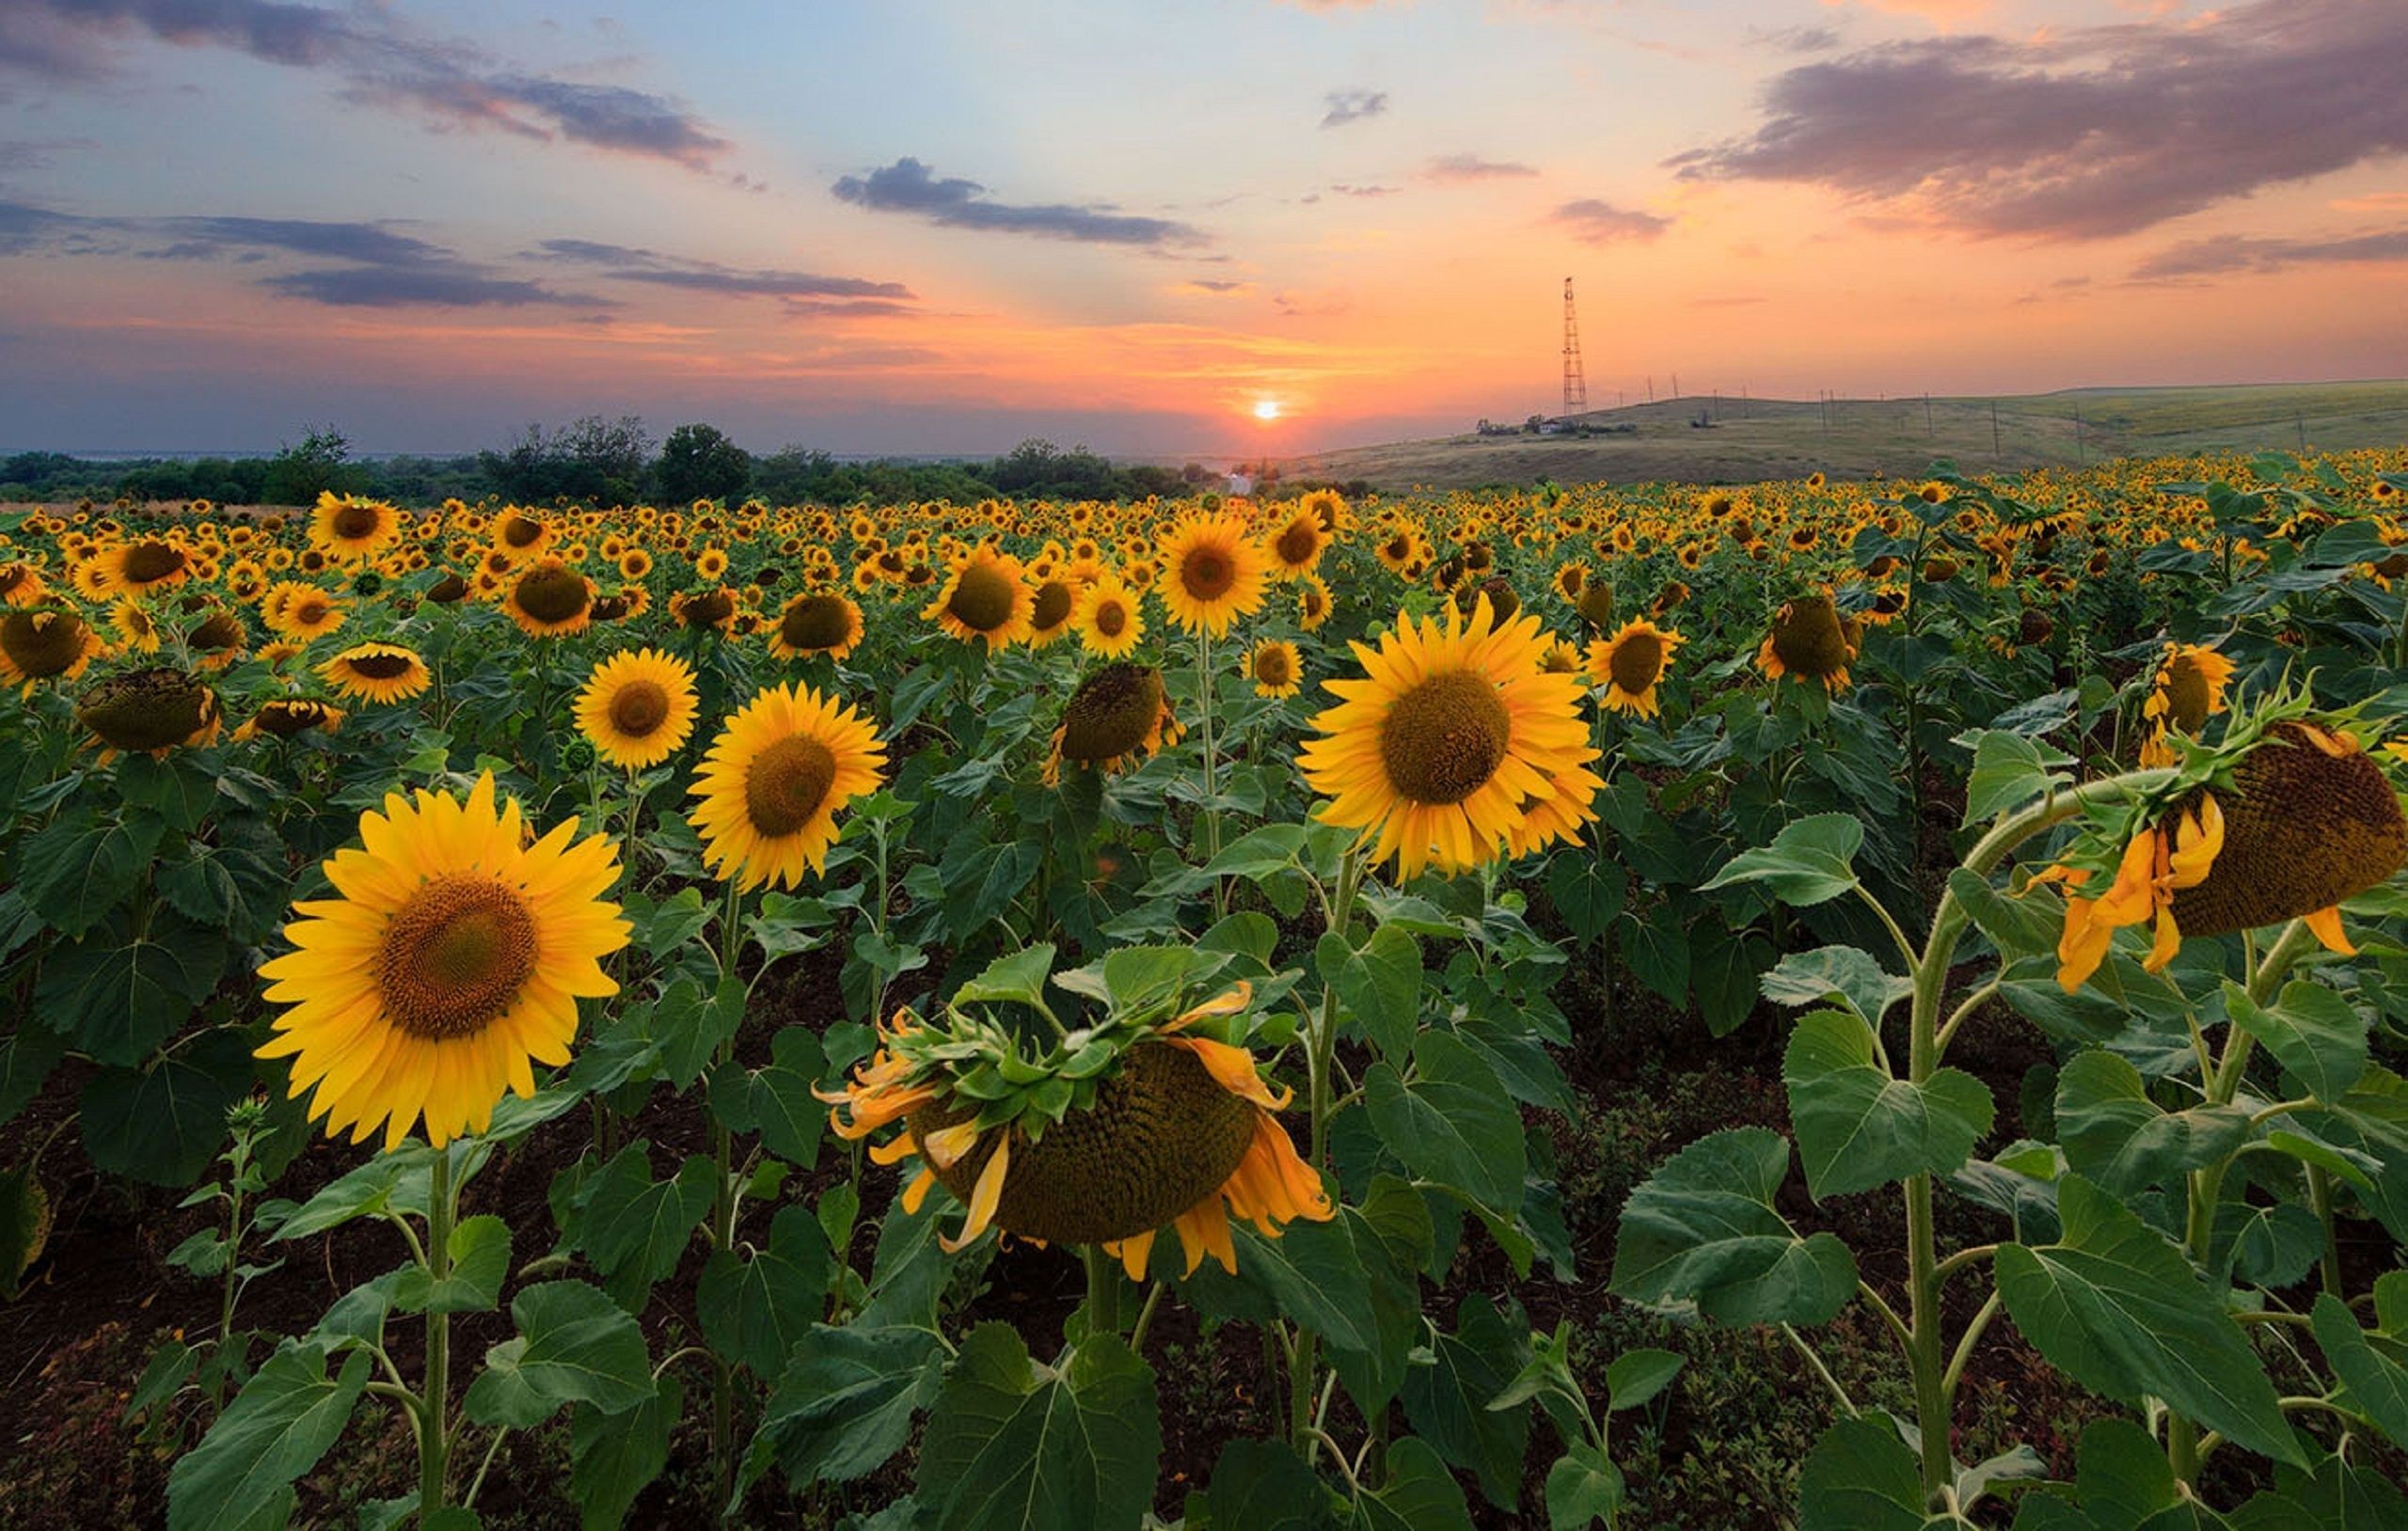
[(1352, 106), (908, 187), (1602, 223), (2244, 252), (1460, 169), (626, 263)]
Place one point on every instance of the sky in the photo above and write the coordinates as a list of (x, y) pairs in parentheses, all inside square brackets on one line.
[(1182, 227)]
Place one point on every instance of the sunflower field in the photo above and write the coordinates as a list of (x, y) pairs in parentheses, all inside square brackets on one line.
[(1835, 1006)]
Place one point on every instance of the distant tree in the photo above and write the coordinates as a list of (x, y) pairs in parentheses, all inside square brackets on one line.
[(590, 459), (698, 462), (298, 475)]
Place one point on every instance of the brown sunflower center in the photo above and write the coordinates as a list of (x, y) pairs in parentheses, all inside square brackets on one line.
[(2187, 693), (150, 709), (521, 531), (1053, 600), (1297, 544), (309, 610), (817, 622), (152, 560), (378, 665), (1113, 712), (982, 598), (2303, 829), (1637, 661), (552, 594), (786, 783), (639, 707), (218, 632), (43, 643), (1270, 667), (1808, 640), (456, 955), (1207, 572), (1112, 618), (354, 522), (1443, 740), (284, 717)]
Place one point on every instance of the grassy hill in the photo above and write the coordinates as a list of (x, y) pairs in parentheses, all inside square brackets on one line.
[(1855, 438)]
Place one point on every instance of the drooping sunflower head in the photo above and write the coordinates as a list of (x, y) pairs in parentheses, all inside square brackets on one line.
[(450, 960), (1276, 669), (2190, 688), (1630, 665), (448, 591), (150, 711), (986, 598), (1213, 573), (1117, 717), (377, 673), (812, 624), (39, 643), (350, 529), (550, 599), (284, 717), (702, 610), (1496, 591), (2310, 821), (637, 709), (1453, 732), (1810, 641), (1595, 603), (782, 767)]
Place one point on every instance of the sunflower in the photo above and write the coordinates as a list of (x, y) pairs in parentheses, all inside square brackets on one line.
[(1811, 641), (450, 961), (1109, 617), (1274, 668), (1296, 547), (349, 529), (301, 611), (1182, 1132), (147, 563), (1213, 573), (638, 708), (1595, 603), (824, 623), (1051, 609), (218, 639), (138, 632), (149, 711), (634, 563), (1453, 732), (20, 585), (2309, 821), (549, 600), (1570, 581), (702, 610), (285, 716), (520, 536), (1117, 717), (377, 673), (2187, 690), (985, 598), (1630, 664), (1312, 602), (771, 787)]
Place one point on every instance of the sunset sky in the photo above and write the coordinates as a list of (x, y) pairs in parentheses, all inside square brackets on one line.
[(909, 226)]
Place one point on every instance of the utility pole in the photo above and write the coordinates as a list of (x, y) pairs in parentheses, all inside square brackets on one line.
[(2300, 420), (1994, 452), (2077, 434), (1926, 412), (1676, 384), (1651, 387), (1575, 383)]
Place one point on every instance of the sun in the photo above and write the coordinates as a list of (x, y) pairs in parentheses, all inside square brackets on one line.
[(1266, 409)]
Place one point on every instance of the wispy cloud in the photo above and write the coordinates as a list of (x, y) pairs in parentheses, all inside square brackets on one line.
[(2086, 133), (804, 291), (908, 186), (1460, 169), (1218, 285), (1602, 223), (378, 58), (2244, 252), (1352, 106)]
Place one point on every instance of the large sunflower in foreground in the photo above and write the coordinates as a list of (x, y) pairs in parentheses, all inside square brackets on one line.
[(1211, 572), (1451, 739), (985, 599), (1181, 1133), (771, 787), (449, 960), (637, 709)]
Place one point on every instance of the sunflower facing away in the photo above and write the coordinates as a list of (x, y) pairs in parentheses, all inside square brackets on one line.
[(377, 673), (149, 711), (638, 708), (1631, 664), (449, 960), (1181, 1134), (1809, 640), (1117, 717), (771, 787), (1109, 617), (825, 623), (43, 643), (549, 600), (1451, 737), (985, 598), (2189, 690), (284, 717), (1213, 573)]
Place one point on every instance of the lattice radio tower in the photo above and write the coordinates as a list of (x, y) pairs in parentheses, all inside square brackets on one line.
[(1576, 385)]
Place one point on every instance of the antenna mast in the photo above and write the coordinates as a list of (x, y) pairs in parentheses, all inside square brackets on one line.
[(1576, 385)]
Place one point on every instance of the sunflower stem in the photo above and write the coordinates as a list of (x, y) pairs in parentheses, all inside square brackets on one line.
[(724, 1206), (1104, 1290), (434, 1435), (1204, 735)]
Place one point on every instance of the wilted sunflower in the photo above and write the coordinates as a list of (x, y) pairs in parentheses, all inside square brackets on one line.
[(1211, 572), (638, 708), (285, 716), (1451, 735), (1181, 1133), (1117, 717), (2309, 821), (781, 771), (825, 623), (450, 960), (1630, 664), (2189, 690), (218, 638), (1811, 641), (149, 711), (349, 529), (1109, 617), (550, 600), (1274, 668), (985, 599), (377, 673)]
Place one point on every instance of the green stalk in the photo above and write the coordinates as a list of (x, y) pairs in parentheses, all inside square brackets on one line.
[(1204, 735), (434, 1424), (1104, 1290), (723, 1210)]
